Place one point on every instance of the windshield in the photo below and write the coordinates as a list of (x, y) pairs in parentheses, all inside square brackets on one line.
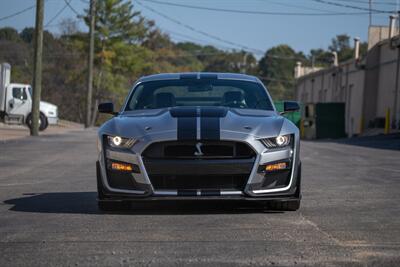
[(218, 92)]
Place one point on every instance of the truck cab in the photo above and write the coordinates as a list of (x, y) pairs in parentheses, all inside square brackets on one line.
[(16, 103)]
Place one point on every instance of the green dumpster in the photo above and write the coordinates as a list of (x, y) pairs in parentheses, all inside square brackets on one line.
[(294, 117)]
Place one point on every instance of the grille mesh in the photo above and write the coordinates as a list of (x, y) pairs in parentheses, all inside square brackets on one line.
[(199, 149)]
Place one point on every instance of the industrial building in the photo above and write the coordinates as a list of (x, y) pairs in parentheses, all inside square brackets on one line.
[(366, 88)]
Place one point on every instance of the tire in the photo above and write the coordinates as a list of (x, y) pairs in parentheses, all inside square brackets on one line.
[(100, 188), (103, 203), (289, 205), (42, 122)]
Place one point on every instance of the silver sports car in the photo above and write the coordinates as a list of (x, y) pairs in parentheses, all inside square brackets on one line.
[(202, 136)]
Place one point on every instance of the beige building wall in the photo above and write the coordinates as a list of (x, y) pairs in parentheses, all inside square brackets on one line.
[(367, 87), (354, 92), (377, 34), (387, 80)]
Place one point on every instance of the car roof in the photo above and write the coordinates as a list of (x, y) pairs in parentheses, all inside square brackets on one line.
[(198, 75)]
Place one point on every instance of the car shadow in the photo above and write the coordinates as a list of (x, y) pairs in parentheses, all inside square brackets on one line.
[(85, 203)]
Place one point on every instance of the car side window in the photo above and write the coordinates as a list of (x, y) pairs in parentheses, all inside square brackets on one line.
[(19, 93), (24, 94)]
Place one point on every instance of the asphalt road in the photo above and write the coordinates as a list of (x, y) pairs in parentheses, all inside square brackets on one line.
[(350, 214)]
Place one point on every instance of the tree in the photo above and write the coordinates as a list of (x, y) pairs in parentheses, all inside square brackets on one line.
[(119, 30), (117, 21), (320, 58), (9, 34), (276, 70), (27, 34), (216, 60), (341, 44)]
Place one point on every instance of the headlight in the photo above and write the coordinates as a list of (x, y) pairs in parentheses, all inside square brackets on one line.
[(120, 142), (276, 142)]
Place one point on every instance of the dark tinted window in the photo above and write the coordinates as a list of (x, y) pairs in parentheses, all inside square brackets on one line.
[(19, 93), (190, 92)]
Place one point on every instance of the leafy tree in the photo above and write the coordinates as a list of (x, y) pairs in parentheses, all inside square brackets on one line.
[(320, 58), (158, 40), (217, 60), (276, 70), (363, 49), (117, 21), (119, 30), (27, 34), (167, 56), (341, 44), (9, 34)]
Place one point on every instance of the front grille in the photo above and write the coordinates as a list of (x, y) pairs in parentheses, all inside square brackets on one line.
[(217, 182), (199, 149), (177, 165)]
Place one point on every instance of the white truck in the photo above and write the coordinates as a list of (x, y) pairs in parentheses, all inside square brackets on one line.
[(16, 102)]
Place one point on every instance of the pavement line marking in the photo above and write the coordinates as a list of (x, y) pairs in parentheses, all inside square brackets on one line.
[(334, 239)]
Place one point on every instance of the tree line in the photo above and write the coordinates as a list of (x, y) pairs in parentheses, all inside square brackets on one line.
[(128, 46)]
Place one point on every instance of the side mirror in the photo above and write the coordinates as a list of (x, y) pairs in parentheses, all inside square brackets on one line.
[(107, 108), (290, 106)]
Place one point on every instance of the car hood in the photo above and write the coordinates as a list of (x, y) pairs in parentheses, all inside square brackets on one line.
[(46, 106), (188, 122)]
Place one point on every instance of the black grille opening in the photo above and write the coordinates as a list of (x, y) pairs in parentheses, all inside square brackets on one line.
[(121, 180), (174, 151), (199, 149), (276, 179), (124, 181), (217, 182)]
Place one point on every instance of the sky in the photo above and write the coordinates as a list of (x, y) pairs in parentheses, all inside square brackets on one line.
[(229, 30)]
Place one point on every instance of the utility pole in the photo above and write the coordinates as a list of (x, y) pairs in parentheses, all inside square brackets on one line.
[(370, 13), (90, 64), (37, 68), (244, 63)]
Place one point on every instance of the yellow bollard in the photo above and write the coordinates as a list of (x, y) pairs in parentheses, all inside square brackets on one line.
[(301, 128), (387, 121), (361, 125)]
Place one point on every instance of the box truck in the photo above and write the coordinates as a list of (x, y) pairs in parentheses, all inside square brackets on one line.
[(16, 103)]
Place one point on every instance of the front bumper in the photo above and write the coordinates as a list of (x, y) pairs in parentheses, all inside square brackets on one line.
[(52, 120), (255, 185)]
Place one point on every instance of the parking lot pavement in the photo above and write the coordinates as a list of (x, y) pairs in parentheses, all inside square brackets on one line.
[(15, 132), (350, 214)]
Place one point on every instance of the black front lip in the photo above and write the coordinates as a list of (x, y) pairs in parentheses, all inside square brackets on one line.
[(119, 198)]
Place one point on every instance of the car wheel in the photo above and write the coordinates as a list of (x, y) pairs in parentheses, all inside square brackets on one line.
[(103, 203), (289, 205), (42, 122)]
